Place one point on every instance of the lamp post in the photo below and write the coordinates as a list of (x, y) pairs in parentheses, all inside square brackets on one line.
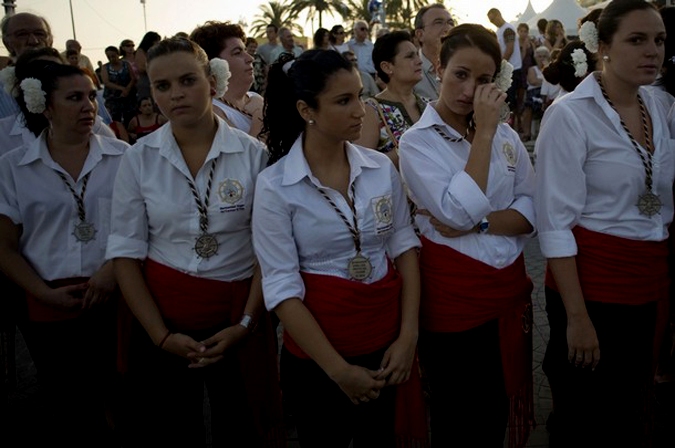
[(145, 20), (10, 7), (72, 19)]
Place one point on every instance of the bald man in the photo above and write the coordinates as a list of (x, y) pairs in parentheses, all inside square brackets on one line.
[(82, 60)]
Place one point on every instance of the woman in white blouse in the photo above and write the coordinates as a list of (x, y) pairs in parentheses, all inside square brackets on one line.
[(181, 244), (474, 176), (241, 107), (605, 171), (328, 218), (55, 198)]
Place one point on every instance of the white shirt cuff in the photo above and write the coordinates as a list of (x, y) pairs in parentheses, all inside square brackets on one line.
[(558, 244), (467, 193), (119, 247), (277, 288)]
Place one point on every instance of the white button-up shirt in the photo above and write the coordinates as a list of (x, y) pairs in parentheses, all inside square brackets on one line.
[(589, 174), (155, 213), (296, 229), (34, 196), (433, 170)]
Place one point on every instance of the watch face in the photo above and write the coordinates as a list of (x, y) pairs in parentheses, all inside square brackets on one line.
[(483, 226)]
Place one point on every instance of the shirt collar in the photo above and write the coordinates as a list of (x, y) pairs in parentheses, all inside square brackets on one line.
[(225, 141), (38, 150), (427, 66), (296, 167)]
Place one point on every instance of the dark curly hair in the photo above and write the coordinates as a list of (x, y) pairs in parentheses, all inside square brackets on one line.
[(212, 36), (289, 81)]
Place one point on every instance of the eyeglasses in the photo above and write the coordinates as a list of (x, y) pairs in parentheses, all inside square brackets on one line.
[(25, 34)]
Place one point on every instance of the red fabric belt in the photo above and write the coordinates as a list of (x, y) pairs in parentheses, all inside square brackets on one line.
[(357, 318), (619, 270), (192, 303), (460, 292)]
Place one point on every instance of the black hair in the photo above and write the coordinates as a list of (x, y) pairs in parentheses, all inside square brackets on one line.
[(561, 70), (469, 35), (333, 31), (271, 25), (386, 49), (419, 17), (112, 48), (150, 39), (318, 37), (289, 81), (667, 79), (541, 25), (48, 73), (613, 13)]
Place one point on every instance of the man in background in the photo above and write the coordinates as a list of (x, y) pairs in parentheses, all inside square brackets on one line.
[(506, 35), (369, 86), (362, 47), (272, 43), (82, 60), (432, 24)]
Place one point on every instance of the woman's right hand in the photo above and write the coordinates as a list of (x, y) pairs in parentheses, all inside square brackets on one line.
[(583, 347), (181, 345), (487, 103), (359, 383), (68, 297)]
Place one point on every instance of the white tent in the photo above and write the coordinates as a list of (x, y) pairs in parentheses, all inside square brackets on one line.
[(525, 15), (567, 11)]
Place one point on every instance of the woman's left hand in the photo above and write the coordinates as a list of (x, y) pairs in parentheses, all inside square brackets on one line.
[(397, 361), (102, 285), (443, 229), (216, 346)]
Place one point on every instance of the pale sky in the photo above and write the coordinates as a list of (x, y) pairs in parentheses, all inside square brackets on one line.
[(99, 23)]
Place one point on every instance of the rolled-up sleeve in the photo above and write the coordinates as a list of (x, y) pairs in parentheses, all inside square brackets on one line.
[(524, 188), (453, 198), (561, 191), (404, 237), (274, 245), (129, 226)]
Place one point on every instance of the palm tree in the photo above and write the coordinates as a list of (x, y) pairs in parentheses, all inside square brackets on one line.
[(314, 7), (399, 13), (276, 13)]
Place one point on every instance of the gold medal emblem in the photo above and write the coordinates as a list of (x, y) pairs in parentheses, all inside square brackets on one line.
[(230, 191), (206, 245), (649, 204)]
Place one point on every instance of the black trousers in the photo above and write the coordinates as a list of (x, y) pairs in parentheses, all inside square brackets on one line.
[(325, 416), (75, 362), (469, 405), (605, 407), (166, 399)]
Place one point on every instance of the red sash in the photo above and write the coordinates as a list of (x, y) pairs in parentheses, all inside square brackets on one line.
[(358, 319), (39, 311), (192, 303), (460, 293), (612, 269)]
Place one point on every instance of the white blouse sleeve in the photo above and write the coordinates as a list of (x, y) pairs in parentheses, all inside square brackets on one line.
[(404, 237), (274, 245), (560, 180), (524, 186), (129, 228), (8, 203), (449, 193)]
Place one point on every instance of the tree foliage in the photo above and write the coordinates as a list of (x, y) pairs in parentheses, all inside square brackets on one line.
[(281, 14)]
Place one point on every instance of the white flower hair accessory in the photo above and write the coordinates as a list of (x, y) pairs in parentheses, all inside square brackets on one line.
[(8, 80), (580, 63), (588, 34), (503, 79), (33, 95), (220, 69)]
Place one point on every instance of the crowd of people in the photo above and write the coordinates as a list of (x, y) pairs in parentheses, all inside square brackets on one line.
[(381, 232)]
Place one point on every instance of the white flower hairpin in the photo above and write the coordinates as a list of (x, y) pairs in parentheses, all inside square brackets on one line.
[(220, 69), (588, 34), (33, 95), (580, 62), (503, 81), (8, 80)]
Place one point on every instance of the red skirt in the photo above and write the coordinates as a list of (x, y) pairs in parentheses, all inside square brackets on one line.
[(357, 319), (460, 293)]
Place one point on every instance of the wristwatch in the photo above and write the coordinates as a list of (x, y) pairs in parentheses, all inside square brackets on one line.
[(483, 226), (248, 322)]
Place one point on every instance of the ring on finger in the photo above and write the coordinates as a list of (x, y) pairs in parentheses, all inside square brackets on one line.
[(201, 360)]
